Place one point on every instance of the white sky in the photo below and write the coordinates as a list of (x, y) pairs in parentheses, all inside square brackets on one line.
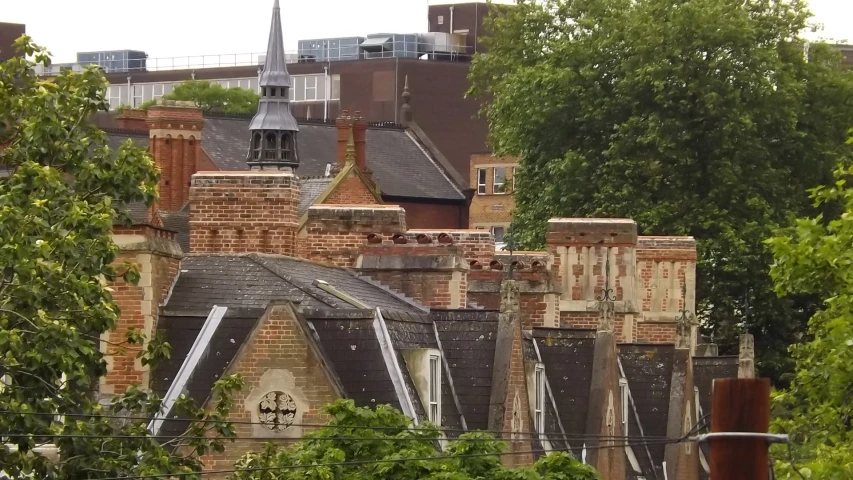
[(174, 28)]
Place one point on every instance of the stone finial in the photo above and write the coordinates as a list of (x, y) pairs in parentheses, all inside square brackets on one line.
[(350, 156), (746, 357), (406, 109)]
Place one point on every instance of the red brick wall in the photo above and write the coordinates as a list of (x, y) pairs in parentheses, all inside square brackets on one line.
[(335, 234), (139, 306), (243, 212), (351, 191), (432, 289), (517, 388), (277, 343), (434, 215), (655, 332)]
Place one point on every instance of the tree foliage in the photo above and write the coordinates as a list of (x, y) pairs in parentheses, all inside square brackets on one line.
[(694, 117), (362, 443), (815, 257), (61, 188), (213, 97)]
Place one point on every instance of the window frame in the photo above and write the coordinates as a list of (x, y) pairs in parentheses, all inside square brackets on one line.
[(495, 236), (495, 184), (311, 79), (434, 398), (140, 97), (539, 399), (624, 400), (482, 181)]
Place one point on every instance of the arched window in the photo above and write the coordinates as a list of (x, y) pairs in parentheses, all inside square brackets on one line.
[(256, 146), (285, 146), (270, 147)]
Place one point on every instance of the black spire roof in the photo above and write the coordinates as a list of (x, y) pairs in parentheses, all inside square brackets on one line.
[(274, 128)]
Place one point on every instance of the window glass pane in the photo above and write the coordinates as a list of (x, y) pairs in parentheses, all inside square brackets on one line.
[(311, 87), (499, 180), (481, 181), (321, 87), (299, 88), (498, 233), (336, 87)]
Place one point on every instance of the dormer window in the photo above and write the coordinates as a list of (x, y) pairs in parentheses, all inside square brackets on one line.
[(539, 399), (425, 367), (434, 412)]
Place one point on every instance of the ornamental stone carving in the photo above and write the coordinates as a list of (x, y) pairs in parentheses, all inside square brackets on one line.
[(277, 411)]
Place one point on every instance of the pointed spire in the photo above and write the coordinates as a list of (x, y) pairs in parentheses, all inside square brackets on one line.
[(350, 156), (275, 66), (406, 109), (273, 128)]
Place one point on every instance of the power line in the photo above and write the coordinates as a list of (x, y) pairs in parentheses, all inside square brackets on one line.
[(320, 425), (368, 462)]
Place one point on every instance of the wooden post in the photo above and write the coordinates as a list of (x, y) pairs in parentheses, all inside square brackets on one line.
[(740, 405)]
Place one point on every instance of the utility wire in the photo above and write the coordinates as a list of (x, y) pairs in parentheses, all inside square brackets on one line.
[(72, 416), (368, 462)]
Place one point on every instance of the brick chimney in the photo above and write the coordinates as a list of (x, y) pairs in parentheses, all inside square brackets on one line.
[(175, 142), (431, 270), (358, 124), (335, 234), (131, 119), (592, 254), (251, 211), (157, 255)]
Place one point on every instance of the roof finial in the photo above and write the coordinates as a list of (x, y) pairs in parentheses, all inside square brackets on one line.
[(406, 109), (350, 156)]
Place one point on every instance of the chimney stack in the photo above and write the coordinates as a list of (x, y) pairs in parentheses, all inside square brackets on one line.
[(174, 128), (358, 124)]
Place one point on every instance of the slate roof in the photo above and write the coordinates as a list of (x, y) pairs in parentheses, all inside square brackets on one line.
[(567, 355), (252, 281), (706, 369), (180, 332), (468, 340), (401, 165), (648, 369), (310, 190), (350, 343), (178, 222)]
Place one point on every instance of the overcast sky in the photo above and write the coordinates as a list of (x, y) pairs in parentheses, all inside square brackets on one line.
[(174, 28)]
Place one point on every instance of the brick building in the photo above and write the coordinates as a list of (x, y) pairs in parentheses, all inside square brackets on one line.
[(491, 179), (9, 32), (566, 349)]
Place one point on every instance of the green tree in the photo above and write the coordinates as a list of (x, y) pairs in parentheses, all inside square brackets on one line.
[(815, 257), (694, 117), (213, 97), (61, 188), (362, 443)]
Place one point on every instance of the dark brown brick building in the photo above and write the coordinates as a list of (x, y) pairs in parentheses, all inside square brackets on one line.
[(9, 32)]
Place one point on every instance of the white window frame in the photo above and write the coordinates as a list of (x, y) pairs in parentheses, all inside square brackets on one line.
[(499, 186), (137, 99), (434, 400), (539, 400), (313, 80), (482, 180), (624, 400), (114, 95), (154, 89), (334, 79)]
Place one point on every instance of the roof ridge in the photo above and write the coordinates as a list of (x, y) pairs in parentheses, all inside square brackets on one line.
[(401, 296), (328, 300), (434, 162)]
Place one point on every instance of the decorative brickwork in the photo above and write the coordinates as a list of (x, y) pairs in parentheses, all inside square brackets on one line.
[(351, 191), (275, 358), (158, 261), (175, 131), (235, 212), (335, 234), (476, 245)]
